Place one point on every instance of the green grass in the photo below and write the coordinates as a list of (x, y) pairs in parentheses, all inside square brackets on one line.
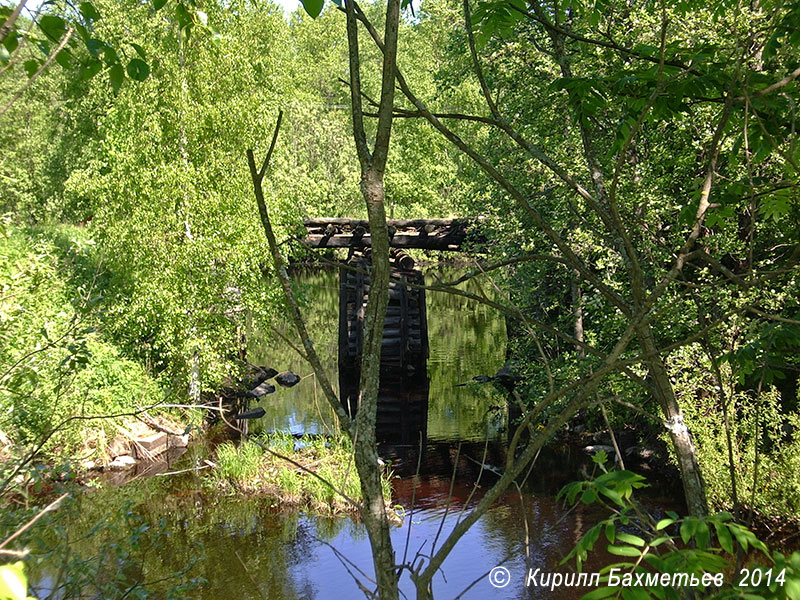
[(251, 469)]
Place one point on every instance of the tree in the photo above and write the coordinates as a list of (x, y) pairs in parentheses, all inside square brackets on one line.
[(361, 429), (614, 93)]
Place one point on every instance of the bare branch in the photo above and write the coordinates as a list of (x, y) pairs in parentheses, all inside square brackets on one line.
[(8, 25), (280, 268)]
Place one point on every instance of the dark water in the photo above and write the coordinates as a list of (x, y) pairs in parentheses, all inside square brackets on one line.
[(247, 549), (466, 339)]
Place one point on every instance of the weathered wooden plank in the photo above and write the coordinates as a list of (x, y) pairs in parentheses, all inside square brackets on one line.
[(325, 221), (449, 241)]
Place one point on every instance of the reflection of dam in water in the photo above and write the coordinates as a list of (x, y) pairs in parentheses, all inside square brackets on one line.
[(402, 415), (464, 338)]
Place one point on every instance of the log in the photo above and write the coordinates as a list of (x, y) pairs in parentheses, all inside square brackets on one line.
[(399, 223), (449, 241), (401, 260)]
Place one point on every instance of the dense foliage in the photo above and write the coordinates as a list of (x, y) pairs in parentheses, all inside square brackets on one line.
[(638, 165)]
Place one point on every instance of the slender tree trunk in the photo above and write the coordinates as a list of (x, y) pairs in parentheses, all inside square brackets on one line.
[(366, 455), (693, 485), (8, 26), (577, 312), (373, 165)]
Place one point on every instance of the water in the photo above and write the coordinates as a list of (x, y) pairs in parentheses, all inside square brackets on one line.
[(466, 339), (245, 548)]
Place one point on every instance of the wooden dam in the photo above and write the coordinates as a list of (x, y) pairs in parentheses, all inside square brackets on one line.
[(405, 335), (403, 394)]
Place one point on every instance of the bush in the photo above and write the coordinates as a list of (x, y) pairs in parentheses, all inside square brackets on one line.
[(54, 364), (674, 546), (766, 459)]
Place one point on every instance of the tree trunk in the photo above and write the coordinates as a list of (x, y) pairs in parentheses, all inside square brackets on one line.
[(373, 509), (691, 476), (577, 312)]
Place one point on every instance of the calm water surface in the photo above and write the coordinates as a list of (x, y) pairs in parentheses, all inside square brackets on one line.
[(252, 551)]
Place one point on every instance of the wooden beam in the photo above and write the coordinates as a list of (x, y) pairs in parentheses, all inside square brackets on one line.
[(399, 223), (446, 242)]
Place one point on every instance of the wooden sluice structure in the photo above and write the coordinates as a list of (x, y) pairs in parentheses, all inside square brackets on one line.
[(405, 329), (428, 234), (403, 393)]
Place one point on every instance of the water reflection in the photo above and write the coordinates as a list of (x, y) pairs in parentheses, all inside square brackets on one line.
[(247, 549), (402, 415), (465, 339)]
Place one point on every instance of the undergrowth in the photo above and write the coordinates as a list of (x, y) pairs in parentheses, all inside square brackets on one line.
[(255, 466)]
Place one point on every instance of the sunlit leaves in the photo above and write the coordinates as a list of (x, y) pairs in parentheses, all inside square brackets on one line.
[(490, 17), (767, 353)]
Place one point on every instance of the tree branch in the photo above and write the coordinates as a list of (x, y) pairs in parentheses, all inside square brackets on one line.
[(40, 70), (295, 315)]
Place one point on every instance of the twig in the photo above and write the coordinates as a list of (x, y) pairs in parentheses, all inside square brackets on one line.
[(52, 506), (35, 76)]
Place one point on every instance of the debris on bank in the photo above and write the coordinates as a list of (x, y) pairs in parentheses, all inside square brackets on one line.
[(139, 441)]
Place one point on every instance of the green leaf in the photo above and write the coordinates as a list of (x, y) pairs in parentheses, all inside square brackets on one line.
[(139, 51), (611, 532), (588, 496), (792, 589), (116, 75), (659, 540), (663, 523), (31, 66), (12, 41), (64, 58), (159, 4), (89, 12), (52, 26), (688, 528), (313, 7), (702, 535), (600, 458), (624, 550), (724, 537), (138, 70), (612, 495), (91, 68), (630, 539), (95, 47), (183, 16)]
